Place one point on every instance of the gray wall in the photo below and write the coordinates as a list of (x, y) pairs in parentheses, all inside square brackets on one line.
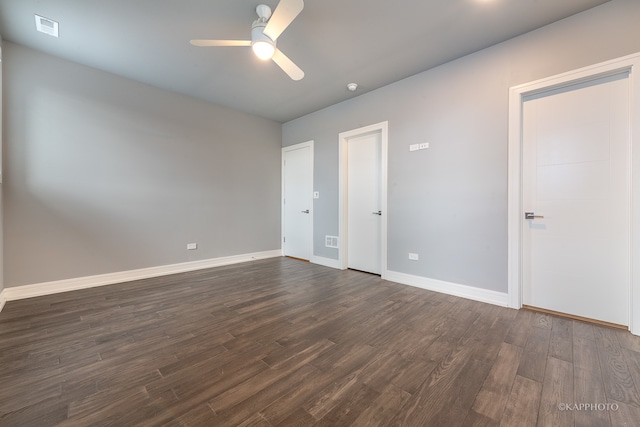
[(103, 174), (449, 203)]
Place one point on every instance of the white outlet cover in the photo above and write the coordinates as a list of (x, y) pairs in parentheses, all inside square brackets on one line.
[(316, 194), (414, 147), (424, 145), (413, 257), (192, 246)]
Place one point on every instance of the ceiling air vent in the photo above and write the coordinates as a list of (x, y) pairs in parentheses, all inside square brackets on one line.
[(47, 26)]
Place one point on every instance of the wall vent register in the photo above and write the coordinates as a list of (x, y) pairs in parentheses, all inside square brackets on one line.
[(331, 241)]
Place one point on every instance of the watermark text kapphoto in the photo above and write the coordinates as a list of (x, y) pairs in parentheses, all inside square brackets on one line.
[(588, 406)]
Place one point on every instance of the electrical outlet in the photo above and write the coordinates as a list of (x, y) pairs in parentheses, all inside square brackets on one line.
[(424, 145), (413, 257), (414, 147), (316, 194), (192, 246)]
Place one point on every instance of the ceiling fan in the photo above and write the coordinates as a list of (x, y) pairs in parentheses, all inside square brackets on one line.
[(264, 33)]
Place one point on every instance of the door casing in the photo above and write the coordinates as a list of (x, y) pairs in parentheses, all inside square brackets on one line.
[(343, 139), (631, 64)]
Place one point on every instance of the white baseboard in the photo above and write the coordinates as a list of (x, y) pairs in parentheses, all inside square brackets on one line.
[(47, 288), (327, 262), (464, 291)]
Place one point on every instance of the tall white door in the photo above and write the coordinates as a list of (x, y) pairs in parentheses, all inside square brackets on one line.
[(576, 186), (297, 166), (364, 202)]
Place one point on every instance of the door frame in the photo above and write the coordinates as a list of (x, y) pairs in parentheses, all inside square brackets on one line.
[(308, 144), (343, 193), (631, 64)]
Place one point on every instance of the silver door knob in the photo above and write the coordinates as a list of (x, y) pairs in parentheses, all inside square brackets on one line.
[(377, 213), (531, 215), (305, 211)]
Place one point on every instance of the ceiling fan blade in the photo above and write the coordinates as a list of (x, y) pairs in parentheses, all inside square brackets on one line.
[(284, 14), (287, 65), (206, 43)]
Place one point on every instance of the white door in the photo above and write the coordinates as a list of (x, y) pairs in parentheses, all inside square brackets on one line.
[(364, 210), (297, 189), (576, 184)]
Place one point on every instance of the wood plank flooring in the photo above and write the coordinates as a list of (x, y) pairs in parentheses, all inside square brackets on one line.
[(280, 342)]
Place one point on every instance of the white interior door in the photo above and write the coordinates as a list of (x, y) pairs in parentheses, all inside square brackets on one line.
[(297, 189), (576, 182), (364, 210)]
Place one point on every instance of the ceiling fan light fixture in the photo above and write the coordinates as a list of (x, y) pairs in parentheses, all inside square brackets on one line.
[(262, 46), (263, 50)]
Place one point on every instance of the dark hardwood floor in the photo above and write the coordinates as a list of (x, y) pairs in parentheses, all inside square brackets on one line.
[(283, 342)]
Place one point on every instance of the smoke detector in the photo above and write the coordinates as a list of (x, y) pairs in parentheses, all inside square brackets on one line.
[(352, 86)]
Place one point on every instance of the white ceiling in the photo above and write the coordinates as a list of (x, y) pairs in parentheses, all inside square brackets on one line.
[(371, 42)]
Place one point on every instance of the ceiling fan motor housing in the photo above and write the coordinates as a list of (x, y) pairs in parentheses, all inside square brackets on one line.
[(257, 33)]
